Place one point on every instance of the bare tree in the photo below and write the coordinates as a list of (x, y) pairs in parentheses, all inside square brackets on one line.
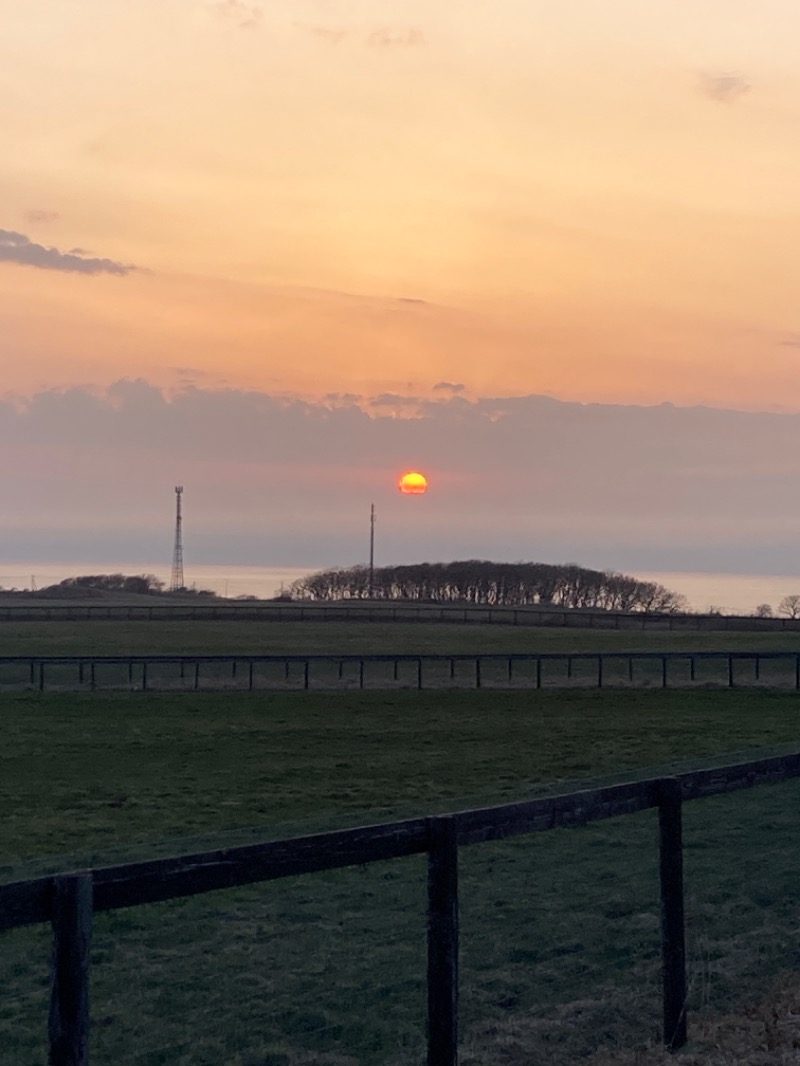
[(790, 606), (764, 610)]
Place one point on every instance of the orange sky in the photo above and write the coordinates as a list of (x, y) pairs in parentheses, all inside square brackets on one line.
[(596, 200)]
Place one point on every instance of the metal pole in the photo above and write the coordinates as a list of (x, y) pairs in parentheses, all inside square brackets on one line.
[(370, 587)]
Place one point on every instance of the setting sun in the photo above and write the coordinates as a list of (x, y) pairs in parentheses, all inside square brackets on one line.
[(413, 483)]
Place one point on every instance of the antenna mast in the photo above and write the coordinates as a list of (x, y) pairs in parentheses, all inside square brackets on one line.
[(371, 585), (176, 583)]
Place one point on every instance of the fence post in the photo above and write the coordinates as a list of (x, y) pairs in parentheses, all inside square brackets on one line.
[(442, 942), (69, 1001), (673, 944)]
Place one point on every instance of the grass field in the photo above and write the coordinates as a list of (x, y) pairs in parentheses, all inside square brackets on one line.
[(210, 638), (560, 931)]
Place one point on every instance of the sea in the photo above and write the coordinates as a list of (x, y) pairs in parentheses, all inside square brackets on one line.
[(726, 593)]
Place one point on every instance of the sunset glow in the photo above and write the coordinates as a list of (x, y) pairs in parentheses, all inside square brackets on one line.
[(413, 484), (315, 238), (595, 203)]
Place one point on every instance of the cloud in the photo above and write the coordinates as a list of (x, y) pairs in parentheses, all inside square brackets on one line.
[(381, 37), (38, 215), (522, 477), (189, 372), (17, 248), (391, 38), (448, 386), (726, 87), (327, 33), (791, 340), (245, 14)]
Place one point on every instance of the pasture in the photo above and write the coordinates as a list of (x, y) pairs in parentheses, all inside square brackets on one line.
[(108, 637), (560, 932)]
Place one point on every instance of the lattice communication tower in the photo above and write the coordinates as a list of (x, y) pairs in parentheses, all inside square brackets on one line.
[(176, 583)]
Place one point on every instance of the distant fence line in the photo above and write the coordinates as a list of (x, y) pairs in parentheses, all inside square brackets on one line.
[(530, 670), (354, 611), (68, 901)]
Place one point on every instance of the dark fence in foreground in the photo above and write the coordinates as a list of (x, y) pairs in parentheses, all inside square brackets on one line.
[(356, 611), (68, 901), (551, 670)]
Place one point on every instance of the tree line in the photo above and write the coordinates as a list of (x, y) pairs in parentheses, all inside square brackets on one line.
[(476, 581), (141, 584)]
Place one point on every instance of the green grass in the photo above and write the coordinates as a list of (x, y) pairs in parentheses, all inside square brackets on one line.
[(559, 930), (209, 638), (88, 772)]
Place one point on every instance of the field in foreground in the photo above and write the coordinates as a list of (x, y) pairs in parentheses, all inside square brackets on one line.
[(560, 928)]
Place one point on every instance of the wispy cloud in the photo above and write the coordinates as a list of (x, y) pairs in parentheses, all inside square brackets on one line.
[(244, 13), (17, 248), (726, 87), (386, 37), (381, 37), (38, 215), (448, 386), (331, 34)]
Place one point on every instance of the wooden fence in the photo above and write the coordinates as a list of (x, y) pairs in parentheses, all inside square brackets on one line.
[(645, 669), (355, 611), (68, 901)]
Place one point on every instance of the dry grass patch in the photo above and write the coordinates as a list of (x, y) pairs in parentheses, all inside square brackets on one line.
[(762, 1034)]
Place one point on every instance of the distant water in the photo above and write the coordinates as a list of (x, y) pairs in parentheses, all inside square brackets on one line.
[(729, 593)]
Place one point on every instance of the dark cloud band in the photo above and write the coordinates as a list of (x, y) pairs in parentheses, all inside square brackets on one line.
[(17, 248)]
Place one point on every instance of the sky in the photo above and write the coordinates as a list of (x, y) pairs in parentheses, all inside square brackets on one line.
[(282, 251)]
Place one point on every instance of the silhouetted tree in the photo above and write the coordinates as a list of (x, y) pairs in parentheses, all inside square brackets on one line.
[(790, 606), (480, 582)]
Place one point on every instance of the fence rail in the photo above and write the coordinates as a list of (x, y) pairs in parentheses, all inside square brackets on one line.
[(551, 670), (67, 901), (353, 611)]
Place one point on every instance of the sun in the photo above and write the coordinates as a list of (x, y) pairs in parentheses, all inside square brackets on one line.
[(413, 483)]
